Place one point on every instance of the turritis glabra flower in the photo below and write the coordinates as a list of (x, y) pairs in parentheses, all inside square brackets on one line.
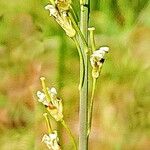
[(59, 12), (97, 59), (51, 140), (49, 99)]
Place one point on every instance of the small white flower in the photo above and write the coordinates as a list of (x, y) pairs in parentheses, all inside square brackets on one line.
[(51, 140), (53, 94), (97, 60), (101, 52), (98, 55), (53, 11), (53, 91), (62, 19), (42, 98), (49, 98), (106, 49), (56, 107), (40, 95), (56, 113)]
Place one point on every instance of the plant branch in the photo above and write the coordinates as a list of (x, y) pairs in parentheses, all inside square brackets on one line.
[(45, 89), (69, 133), (79, 32), (82, 65), (91, 106), (47, 123), (83, 113)]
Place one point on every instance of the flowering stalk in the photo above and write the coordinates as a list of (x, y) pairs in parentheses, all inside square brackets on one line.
[(49, 128), (55, 108), (97, 59), (82, 65), (83, 112), (64, 15), (84, 42)]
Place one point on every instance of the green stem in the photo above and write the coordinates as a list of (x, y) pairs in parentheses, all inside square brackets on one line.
[(47, 123), (69, 133), (74, 14), (45, 89), (82, 65), (91, 105), (79, 32), (83, 113)]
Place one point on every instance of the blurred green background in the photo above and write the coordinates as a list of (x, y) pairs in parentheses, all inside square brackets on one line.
[(33, 45)]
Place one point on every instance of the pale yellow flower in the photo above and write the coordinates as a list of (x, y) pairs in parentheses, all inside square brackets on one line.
[(97, 60), (54, 106), (62, 19)]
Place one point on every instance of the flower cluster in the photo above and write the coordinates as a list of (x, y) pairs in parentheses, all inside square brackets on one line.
[(59, 12), (49, 99), (97, 59), (51, 140)]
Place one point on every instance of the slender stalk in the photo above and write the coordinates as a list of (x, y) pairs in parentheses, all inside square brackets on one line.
[(83, 113), (82, 65), (69, 133), (91, 105), (49, 128), (79, 32), (45, 89), (74, 14)]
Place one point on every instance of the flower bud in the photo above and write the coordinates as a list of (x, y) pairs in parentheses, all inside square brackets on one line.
[(97, 60)]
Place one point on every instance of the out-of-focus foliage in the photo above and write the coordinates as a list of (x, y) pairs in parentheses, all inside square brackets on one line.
[(33, 45)]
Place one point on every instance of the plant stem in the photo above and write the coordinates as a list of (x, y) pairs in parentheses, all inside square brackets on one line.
[(91, 105), (45, 89), (47, 123), (83, 113), (69, 133), (79, 32), (82, 65), (74, 14)]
